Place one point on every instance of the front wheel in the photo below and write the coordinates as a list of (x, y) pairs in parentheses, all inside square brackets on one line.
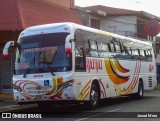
[(94, 97)]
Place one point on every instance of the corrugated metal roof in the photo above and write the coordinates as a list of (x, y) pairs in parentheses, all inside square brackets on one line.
[(20, 14), (109, 11), (112, 11), (9, 15)]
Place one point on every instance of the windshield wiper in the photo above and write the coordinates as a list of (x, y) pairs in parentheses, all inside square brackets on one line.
[(28, 70), (48, 67), (53, 74)]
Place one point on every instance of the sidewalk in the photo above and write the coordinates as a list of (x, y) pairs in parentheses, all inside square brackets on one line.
[(6, 96), (157, 88), (7, 103), (6, 99)]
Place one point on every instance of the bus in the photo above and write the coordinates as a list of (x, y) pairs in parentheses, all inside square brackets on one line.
[(67, 62)]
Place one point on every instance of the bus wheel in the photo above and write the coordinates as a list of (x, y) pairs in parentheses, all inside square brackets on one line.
[(139, 94), (94, 97)]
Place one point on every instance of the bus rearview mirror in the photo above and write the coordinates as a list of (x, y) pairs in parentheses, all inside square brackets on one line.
[(68, 48), (5, 49)]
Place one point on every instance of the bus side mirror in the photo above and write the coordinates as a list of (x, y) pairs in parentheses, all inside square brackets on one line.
[(68, 46), (5, 49)]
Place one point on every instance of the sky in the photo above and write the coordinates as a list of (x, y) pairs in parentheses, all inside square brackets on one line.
[(150, 6)]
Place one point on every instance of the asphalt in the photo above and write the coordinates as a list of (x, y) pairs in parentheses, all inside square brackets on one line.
[(7, 103)]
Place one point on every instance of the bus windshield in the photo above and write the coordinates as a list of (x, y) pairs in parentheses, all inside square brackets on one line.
[(42, 53)]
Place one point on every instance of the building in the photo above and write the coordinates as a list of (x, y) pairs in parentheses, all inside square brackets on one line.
[(120, 21), (16, 15), (115, 20)]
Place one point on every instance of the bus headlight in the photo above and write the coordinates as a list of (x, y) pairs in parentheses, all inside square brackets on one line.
[(17, 89)]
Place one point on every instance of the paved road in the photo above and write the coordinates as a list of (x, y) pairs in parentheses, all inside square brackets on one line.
[(116, 110)]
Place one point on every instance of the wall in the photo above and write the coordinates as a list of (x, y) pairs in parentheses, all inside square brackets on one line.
[(123, 25), (6, 66), (6, 71), (64, 3), (83, 15)]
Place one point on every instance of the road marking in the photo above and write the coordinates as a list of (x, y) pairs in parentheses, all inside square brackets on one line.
[(98, 114), (114, 110)]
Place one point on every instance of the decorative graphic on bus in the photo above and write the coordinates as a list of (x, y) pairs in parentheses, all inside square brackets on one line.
[(132, 84), (40, 49), (112, 67), (118, 66), (103, 90), (23, 66), (84, 92), (30, 89)]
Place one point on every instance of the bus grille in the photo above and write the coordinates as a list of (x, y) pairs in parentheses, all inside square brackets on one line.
[(150, 81)]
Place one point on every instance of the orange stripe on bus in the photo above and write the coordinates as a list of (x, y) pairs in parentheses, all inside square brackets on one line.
[(112, 76), (83, 89), (119, 67)]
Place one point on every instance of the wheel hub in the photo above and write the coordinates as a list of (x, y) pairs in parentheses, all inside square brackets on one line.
[(94, 97)]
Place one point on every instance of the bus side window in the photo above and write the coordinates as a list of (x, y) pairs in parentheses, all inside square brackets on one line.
[(149, 55), (142, 55), (118, 50), (135, 54), (81, 43), (112, 47), (93, 45), (93, 51), (129, 50), (126, 52), (146, 54), (123, 49), (79, 59), (104, 49)]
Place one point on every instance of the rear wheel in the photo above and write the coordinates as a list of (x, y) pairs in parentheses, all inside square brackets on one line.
[(94, 97), (139, 94)]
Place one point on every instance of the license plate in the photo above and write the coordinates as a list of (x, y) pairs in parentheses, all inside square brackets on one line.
[(39, 97)]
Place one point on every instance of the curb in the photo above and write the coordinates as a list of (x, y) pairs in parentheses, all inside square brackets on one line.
[(6, 95), (17, 108), (157, 87)]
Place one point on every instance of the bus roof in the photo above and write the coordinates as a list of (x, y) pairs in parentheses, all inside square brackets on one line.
[(72, 27)]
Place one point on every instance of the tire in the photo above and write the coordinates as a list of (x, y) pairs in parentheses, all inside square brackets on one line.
[(94, 97), (139, 94)]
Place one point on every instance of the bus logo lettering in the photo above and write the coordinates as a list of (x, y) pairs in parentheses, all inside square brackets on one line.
[(94, 64), (151, 67)]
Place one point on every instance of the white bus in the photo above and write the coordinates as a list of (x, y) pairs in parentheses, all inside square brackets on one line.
[(69, 62)]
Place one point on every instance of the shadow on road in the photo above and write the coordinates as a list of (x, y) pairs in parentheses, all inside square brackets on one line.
[(81, 110)]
